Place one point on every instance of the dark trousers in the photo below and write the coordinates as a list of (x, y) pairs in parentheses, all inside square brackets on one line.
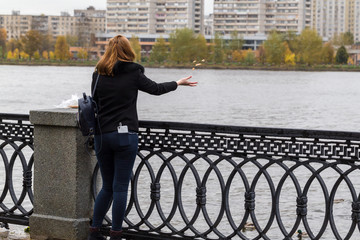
[(116, 163)]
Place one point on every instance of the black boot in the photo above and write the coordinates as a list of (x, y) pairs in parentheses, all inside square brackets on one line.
[(115, 235), (95, 234)]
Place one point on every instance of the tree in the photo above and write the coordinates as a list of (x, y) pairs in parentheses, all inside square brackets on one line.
[(249, 58), (201, 48), (341, 55), (61, 48), (9, 55), (47, 42), (3, 37), (289, 55), (181, 48), (218, 54), (45, 55), (32, 42), (135, 44), (236, 42), (72, 40), (261, 54), (310, 46), (12, 44), (327, 53), (82, 54), (36, 55), (16, 54), (159, 52), (24, 55), (274, 48), (237, 56), (52, 55), (292, 40), (347, 38)]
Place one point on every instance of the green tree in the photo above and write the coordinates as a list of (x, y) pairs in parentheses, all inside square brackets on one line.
[(292, 40), (182, 49), (32, 42), (274, 48), (3, 37), (327, 53), (236, 42), (310, 46), (201, 48), (249, 58), (160, 51), (218, 53), (61, 48), (347, 38), (341, 55), (135, 44)]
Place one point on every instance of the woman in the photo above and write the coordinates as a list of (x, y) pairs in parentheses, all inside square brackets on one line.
[(116, 95)]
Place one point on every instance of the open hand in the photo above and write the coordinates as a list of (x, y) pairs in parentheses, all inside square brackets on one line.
[(186, 82)]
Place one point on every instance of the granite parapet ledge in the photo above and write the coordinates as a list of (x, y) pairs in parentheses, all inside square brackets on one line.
[(62, 117)]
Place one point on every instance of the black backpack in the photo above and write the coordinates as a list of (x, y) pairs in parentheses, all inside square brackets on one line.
[(87, 110)]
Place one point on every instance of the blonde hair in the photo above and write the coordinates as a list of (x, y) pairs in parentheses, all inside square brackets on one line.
[(118, 49)]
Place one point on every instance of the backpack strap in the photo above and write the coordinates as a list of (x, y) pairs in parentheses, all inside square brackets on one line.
[(97, 79)]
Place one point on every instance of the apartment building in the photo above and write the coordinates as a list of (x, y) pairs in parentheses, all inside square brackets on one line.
[(209, 24), (331, 17), (15, 24), (252, 17), (154, 16), (83, 24)]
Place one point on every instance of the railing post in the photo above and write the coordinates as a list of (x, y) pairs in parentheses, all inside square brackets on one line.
[(62, 177)]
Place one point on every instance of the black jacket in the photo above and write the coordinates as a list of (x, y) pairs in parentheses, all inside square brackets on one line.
[(116, 95)]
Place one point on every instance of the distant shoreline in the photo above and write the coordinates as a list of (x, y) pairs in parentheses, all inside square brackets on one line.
[(226, 66)]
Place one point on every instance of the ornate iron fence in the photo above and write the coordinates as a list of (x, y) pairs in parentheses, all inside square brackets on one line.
[(16, 151), (223, 182), (195, 181)]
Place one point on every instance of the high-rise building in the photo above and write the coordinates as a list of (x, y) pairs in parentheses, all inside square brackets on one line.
[(84, 24), (154, 16), (332, 17), (250, 17), (209, 24)]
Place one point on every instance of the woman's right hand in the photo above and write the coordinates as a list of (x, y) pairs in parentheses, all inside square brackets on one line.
[(186, 82)]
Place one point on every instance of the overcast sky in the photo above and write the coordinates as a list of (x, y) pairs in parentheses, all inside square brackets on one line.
[(51, 7)]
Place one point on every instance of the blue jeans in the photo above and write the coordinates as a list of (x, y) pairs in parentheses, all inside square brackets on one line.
[(116, 163)]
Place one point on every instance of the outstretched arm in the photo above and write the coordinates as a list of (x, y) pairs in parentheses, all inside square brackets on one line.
[(186, 82)]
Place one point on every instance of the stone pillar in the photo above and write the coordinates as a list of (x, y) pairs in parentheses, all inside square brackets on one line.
[(62, 177)]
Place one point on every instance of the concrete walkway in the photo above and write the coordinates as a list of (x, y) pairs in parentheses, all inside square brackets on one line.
[(6, 234)]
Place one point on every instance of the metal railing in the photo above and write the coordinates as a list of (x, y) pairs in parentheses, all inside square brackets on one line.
[(195, 181), (226, 182), (16, 152)]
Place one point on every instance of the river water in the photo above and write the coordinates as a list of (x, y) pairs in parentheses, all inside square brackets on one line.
[(311, 100), (308, 100)]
